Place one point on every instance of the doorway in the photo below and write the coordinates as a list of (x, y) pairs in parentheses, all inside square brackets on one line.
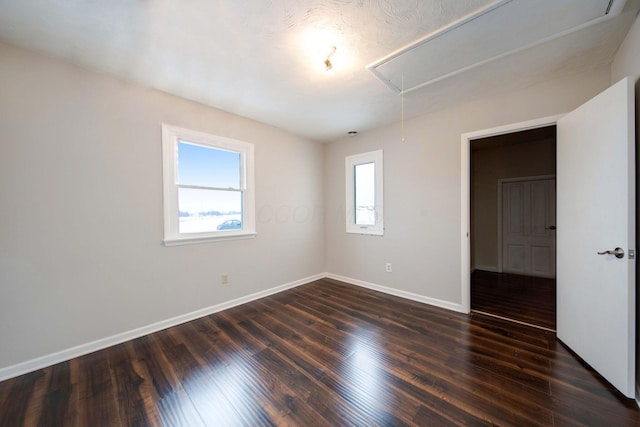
[(512, 223), (596, 286)]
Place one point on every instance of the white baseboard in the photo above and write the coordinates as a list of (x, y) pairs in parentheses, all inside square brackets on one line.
[(80, 350), (485, 268), (70, 353), (402, 294)]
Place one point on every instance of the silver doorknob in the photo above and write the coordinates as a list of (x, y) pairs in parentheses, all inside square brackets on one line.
[(618, 252)]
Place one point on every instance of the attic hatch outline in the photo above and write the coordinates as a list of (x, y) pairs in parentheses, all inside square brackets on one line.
[(393, 71)]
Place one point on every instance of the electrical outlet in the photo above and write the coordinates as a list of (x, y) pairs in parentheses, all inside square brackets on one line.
[(225, 279), (387, 267)]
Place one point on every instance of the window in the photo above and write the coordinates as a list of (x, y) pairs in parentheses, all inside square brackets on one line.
[(364, 193), (208, 187)]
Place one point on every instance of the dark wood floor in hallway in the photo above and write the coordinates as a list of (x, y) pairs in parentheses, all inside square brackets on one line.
[(525, 299), (323, 354)]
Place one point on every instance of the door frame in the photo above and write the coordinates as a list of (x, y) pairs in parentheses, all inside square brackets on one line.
[(465, 202), (502, 181)]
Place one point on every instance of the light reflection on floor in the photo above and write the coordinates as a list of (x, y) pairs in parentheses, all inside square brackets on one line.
[(362, 374)]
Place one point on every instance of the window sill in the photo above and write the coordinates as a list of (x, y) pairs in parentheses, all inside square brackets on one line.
[(177, 241), (365, 231)]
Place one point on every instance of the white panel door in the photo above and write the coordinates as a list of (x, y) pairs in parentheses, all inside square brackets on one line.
[(528, 227), (513, 227), (543, 228), (596, 213)]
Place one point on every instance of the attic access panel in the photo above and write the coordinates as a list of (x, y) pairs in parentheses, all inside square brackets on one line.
[(494, 31)]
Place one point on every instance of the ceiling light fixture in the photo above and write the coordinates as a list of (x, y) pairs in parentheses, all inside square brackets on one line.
[(327, 62)]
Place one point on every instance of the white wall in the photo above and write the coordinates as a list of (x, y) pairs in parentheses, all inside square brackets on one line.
[(423, 189), (627, 59), (81, 209)]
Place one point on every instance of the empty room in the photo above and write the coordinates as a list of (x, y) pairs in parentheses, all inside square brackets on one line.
[(247, 213)]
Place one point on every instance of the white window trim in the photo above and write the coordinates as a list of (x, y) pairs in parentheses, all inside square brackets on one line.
[(170, 137), (350, 163)]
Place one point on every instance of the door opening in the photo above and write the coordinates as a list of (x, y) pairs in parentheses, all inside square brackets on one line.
[(465, 202), (512, 215)]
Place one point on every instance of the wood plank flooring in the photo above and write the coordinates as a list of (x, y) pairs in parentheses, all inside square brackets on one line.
[(525, 299), (323, 354)]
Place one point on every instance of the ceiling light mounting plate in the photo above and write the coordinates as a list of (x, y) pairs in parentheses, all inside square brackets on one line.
[(327, 62)]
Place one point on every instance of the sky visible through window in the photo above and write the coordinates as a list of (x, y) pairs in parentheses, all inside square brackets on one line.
[(207, 167), (365, 194)]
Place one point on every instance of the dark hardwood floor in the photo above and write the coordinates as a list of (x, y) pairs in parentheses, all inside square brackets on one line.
[(323, 354), (525, 299)]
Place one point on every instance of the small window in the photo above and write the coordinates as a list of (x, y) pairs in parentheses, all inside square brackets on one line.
[(364, 193), (208, 187)]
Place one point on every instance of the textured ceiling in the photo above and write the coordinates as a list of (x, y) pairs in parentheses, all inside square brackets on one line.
[(264, 59)]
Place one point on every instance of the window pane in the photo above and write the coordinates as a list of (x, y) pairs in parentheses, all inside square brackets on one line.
[(208, 167), (365, 197), (209, 210)]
